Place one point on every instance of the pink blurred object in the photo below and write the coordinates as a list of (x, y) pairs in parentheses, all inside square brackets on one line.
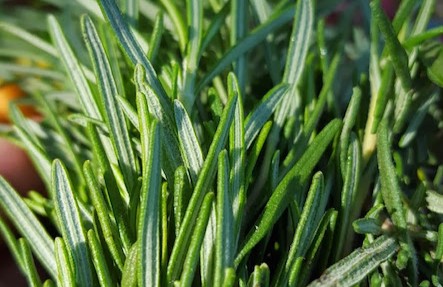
[(390, 7), (17, 169)]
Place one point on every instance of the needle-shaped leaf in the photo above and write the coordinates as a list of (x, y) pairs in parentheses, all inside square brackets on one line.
[(237, 152), (37, 154), (71, 224), (150, 209), (177, 20), (98, 258), (432, 57), (110, 233), (329, 218), (239, 26), (439, 247), (254, 38), (129, 274), (307, 225), (224, 237), (156, 36), (190, 263), (28, 263), (350, 187), (65, 266), (8, 237), (355, 267), (28, 37), (129, 44), (194, 13), (262, 112), (113, 113), (204, 181), (414, 123), (383, 96), (348, 123), (298, 174), (74, 69), (162, 109), (391, 191), (392, 194), (29, 226), (179, 196), (260, 276), (256, 149), (396, 52), (299, 41), (190, 147), (129, 111)]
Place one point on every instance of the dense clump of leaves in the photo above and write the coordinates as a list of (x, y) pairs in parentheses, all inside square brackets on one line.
[(227, 143)]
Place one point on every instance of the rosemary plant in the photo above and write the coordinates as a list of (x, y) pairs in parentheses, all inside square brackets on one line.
[(226, 143)]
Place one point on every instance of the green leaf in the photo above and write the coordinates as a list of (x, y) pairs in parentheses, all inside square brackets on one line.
[(225, 236), (396, 52), (156, 36), (356, 266), (110, 233), (254, 38), (318, 244), (74, 69), (194, 13), (260, 276), (150, 208), (99, 260), (179, 197), (29, 38), (262, 112), (129, 274), (439, 247), (162, 109), (298, 174), (12, 244), (129, 111), (366, 226), (422, 37), (350, 188), (239, 26), (129, 44), (29, 226), (392, 194), (113, 114), (179, 24), (404, 11), (116, 200), (300, 40), (190, 263), (204, 180), (65, 266), (415, 122), (307, 225), (391, 191), (28, 263), (68, 215), (348, 124), (383, 96), (432, 57), (256, 149), (189, 145), (237, 151)]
